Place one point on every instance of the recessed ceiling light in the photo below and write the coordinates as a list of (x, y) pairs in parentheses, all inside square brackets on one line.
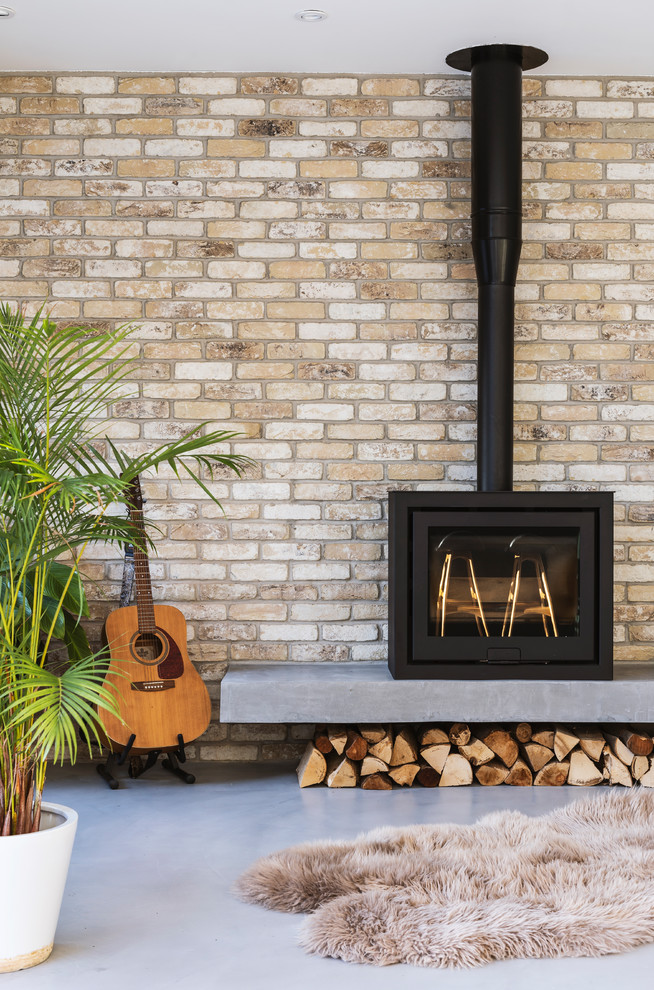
[(7, 11), (311, 15)]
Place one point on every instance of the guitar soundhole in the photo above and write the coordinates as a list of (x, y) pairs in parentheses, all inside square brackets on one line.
[(149, 648)]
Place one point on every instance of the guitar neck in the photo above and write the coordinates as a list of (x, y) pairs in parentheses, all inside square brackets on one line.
[(142, 580)]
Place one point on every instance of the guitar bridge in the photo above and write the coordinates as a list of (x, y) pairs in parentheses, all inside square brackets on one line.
[(152, 685)]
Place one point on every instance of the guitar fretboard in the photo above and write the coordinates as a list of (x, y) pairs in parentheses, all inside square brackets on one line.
[(144, 601)]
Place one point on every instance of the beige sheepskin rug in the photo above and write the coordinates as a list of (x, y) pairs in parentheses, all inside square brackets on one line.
[(576, 882)]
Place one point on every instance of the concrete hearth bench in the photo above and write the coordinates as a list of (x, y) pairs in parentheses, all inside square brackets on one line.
[(366, 692)]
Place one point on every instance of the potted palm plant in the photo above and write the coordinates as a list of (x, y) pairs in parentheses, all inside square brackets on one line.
[(63, 487)]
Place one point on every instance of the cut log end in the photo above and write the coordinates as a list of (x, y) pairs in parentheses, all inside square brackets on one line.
[(356, 746), (492, 774), (457, 772), (377, 782), (405, 774), (555, 774), (341, 772), (519, 775), (523, 732), (459, 734), (427, 777), (313, 767), (583, 772), (405, 748)]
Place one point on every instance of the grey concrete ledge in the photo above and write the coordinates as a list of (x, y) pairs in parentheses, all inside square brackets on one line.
[(366, 692)]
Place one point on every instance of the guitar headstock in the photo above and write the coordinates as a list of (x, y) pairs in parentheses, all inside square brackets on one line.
[(135, 496)]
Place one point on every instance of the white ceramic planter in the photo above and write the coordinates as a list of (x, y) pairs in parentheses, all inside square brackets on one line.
[(33, 870)]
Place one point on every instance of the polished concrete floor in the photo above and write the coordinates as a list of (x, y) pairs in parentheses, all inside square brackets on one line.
[(148, 902)]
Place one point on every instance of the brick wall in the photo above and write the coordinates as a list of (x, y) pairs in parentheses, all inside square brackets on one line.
[(295, 252)]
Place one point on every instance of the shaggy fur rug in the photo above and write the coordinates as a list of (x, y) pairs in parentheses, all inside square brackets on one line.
[(576, 882)]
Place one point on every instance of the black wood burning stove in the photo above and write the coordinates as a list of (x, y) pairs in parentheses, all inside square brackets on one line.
[(497, 583), (511, 584)]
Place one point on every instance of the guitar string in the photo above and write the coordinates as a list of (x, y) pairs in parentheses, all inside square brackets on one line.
[(144, 600)]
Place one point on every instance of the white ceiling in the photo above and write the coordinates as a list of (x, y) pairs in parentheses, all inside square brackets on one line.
[(582, 37)]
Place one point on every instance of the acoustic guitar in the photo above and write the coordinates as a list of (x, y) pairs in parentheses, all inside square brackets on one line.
[(159, 693)]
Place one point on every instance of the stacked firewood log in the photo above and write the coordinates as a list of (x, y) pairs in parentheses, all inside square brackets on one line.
[(380, 757)]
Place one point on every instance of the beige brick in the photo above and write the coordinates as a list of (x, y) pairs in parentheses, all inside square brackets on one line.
[(142, 289), (573, 129), (236, 107), (173, 105), (146, 168), (573, 291), (237, 228), (84, 247), (123, 310), (269, 84), (326, 86), (85, 84), (419, 149), (264, 369), (25, 84), (266, 330), (146, 85), (202, 127), (11, 187), (390, 86), (18, 126), (603, 150), (421, 108), (391, 129), (267, 170), (359, 108), (637, 129), (49, 105), (173, 147), (573, 170), (603, 311), (602, 231), (236, 148), (83, 126), (603, 109), (114, 228), (228, 310), (111, 147), (296, 310), (297, 269), (144, 248), (575, 87), (207, 85), (50, 146), (357, 190), (280, 148), (236, 269), (299, 108), (112, 105), (389, 251), (301, 228), (24, 208), (205, 168), (329, 170), (144, 125)]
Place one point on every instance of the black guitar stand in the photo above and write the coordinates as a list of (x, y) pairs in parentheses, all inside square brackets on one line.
[(139, 766)]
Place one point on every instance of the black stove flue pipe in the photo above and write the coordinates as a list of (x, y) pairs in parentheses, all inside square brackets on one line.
[(496, 76)]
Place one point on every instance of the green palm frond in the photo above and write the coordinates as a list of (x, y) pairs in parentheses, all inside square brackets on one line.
[(52, 708)]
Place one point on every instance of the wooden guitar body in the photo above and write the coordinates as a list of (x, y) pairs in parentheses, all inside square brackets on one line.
[(160, 693)]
